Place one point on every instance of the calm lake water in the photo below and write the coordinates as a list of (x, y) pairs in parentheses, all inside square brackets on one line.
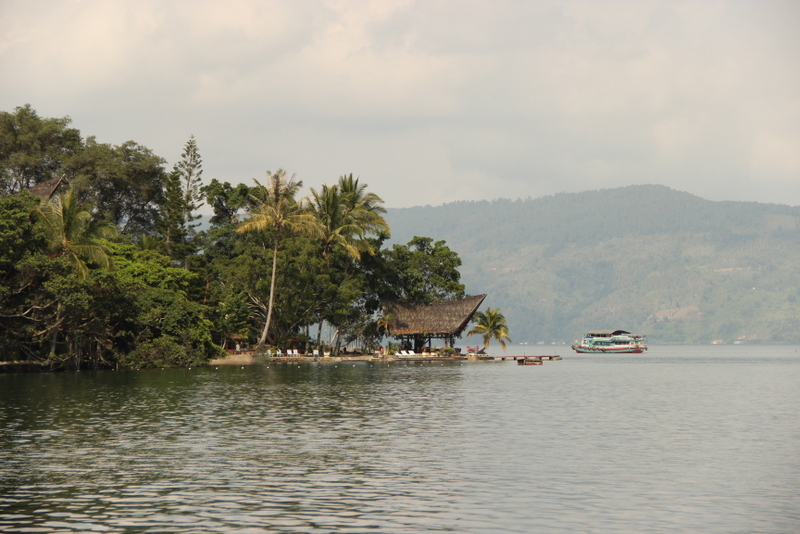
[(681, 439)]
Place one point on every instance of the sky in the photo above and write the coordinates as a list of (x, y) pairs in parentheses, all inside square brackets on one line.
[(430, 101)]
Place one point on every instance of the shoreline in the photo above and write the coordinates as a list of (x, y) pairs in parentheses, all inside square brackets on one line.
[(254, 358)]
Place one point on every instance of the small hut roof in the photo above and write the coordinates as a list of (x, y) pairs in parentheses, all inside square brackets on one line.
[(47, 189), (437, 318)]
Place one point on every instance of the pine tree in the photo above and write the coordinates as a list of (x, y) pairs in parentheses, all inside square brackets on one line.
[(190, 170), (182, 197)]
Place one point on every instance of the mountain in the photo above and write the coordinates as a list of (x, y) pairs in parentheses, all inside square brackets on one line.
[(643, 258)]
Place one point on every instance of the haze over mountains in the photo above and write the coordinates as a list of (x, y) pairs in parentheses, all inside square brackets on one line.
[(643, 258)]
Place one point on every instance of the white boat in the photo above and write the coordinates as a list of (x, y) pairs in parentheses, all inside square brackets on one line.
[(610, 342)]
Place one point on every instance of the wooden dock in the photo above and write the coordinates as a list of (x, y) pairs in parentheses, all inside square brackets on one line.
[(535, 360)]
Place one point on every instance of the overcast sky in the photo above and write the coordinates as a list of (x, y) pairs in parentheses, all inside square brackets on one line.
[(430, 101)]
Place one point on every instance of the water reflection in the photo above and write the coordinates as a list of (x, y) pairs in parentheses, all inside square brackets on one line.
[(579, 445)]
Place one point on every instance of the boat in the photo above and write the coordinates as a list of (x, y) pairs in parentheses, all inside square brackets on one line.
[(610, 342)]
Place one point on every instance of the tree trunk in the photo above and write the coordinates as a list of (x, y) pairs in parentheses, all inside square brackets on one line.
[(263, 340), (54, 333)]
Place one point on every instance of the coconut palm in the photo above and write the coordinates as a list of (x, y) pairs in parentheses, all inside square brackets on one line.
[(363, 209), (385, 323), (336, 229), (347, 214), (70, 232), (276, 209), (150, 242), (491, 324)]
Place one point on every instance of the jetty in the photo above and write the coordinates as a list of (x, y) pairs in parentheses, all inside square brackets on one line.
[(536, 360)]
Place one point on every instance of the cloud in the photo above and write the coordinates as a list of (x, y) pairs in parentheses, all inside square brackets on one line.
[(430, 101)]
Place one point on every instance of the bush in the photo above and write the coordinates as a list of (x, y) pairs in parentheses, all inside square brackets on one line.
[(163, 351)]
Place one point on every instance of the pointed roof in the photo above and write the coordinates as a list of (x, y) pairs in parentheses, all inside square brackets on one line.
[(47, 189), (448, 318)]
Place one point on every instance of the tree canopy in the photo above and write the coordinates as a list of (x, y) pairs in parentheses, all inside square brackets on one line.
[(113, 270)]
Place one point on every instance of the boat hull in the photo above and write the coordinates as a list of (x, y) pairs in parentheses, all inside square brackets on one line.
[(609, 350)]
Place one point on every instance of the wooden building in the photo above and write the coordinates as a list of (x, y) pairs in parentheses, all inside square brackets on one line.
[(415, 325)]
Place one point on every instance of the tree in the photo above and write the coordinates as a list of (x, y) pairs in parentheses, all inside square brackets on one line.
[(276, 209), (226, 201), (124, 183), (384, 324), (164, 326), (491, 325), (422, 272), (182, 196), (347, 215), (69, 232), (33, 149), (190, 170), (20, 239), (363, 210), (336, 229)]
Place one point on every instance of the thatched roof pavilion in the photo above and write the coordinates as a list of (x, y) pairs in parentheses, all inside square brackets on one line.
[(419, 323)]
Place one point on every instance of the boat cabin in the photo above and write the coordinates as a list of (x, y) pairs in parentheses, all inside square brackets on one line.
[(607, 333)]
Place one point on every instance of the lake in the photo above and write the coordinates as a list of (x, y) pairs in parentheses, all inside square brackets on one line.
[(680, 439)]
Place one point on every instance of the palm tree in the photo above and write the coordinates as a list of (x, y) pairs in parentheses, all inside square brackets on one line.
[(336, 230), (276, 208), (363, 209), (347, 214), (70, 233), (491, 324), (150, 242), (385, 323)]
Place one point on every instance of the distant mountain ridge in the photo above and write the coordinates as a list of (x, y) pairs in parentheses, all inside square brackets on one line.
[(644, 258)]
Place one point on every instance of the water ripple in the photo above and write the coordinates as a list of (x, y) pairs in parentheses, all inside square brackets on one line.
[(589, 445)]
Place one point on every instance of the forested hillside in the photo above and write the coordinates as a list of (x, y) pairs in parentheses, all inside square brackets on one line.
[(644, 258)]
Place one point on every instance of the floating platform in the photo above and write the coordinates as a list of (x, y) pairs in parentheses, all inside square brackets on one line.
[(543, 357)]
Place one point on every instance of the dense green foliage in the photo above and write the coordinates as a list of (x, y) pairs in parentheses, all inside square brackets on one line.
[(112, 271), (647, 259)]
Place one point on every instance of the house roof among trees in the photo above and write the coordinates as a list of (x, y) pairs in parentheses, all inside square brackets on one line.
[(47, 189), (448, 318)]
